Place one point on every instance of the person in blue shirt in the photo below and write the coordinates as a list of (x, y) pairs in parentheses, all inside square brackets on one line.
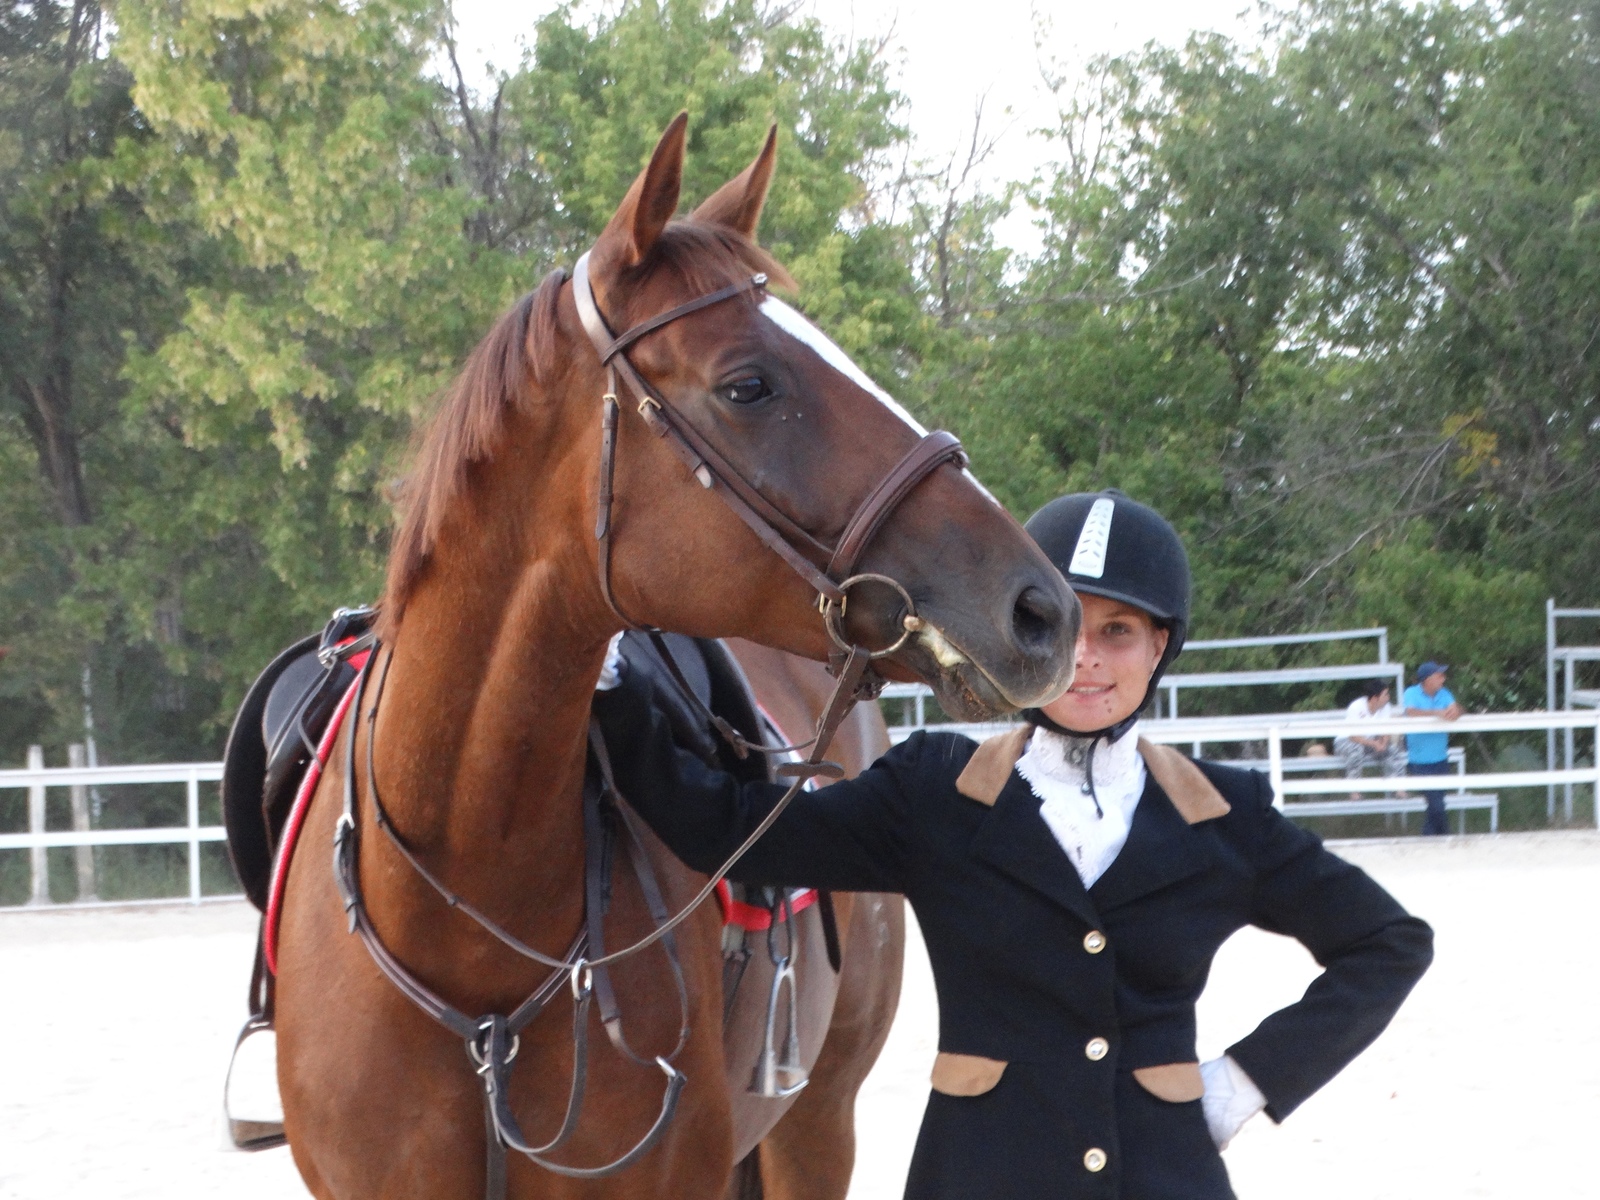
[(1428, 753)]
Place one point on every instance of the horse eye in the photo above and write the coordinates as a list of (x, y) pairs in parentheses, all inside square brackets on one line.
[(745, 391)]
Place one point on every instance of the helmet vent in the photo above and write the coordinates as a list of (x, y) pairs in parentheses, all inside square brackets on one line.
[(1089, 558)]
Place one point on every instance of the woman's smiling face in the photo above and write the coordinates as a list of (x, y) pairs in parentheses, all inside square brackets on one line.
[(1118, 649)]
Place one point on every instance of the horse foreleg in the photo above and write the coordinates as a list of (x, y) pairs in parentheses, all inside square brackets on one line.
[(810, 1153)]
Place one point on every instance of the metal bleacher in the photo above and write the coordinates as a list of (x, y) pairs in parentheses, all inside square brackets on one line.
[(1180, 681), (1564, 661)]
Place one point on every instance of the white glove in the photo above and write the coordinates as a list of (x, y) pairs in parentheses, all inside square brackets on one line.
[(611, 670), (1230, 1099)]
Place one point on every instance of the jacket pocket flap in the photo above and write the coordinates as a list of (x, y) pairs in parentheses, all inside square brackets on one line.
[(1173, 1082), (965, 1074)]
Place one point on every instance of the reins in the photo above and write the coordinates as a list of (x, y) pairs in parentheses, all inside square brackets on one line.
[(492, 1040)]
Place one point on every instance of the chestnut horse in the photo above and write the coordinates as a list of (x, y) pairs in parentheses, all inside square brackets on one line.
[(496, 615)]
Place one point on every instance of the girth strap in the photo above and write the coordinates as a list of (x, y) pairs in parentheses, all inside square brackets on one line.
[(602, 812)]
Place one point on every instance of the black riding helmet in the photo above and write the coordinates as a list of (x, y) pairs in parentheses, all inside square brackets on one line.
[(1108, 545)]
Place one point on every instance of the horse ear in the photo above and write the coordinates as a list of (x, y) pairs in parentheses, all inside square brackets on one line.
[(650, 202), (737, 203)]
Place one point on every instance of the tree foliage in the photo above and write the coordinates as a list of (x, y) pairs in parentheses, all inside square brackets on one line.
[(335, 213), (1328, 300)]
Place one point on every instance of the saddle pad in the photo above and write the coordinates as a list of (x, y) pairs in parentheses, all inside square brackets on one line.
[(297, 817), (754, 918)]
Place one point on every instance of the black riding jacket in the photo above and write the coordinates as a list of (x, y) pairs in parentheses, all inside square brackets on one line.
[(1032, 969)]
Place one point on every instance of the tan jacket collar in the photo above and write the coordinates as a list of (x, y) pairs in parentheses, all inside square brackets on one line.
[(1191, 793)]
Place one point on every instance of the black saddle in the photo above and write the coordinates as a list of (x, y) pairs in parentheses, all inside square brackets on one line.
[(287, 709), (273, 739), (720, 687)]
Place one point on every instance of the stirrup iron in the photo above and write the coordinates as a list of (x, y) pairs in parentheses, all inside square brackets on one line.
[(774, 1078), (245, 1133)]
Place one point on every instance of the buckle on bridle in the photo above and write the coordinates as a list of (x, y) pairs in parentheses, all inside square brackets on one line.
[(581, 978), (478, 1048)]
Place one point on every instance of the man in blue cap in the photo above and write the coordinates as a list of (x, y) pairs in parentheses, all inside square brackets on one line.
[(1429, 753)]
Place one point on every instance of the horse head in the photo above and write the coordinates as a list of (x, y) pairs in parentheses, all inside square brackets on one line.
[(778, 416)]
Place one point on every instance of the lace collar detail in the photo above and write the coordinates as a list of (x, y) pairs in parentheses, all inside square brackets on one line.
[(1062, 760)]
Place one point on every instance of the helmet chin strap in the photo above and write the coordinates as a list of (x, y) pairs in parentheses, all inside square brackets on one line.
[(1036, 716), (1108, 733)]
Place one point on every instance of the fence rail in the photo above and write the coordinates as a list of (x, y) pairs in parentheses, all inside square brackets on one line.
[(1274, 729), (1277, 728), (1380, 632), (36, 779)]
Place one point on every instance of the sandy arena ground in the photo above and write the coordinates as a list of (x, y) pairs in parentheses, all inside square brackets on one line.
[(116, 1025)]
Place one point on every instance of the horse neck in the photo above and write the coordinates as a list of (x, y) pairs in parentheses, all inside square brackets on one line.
[(480, 740)]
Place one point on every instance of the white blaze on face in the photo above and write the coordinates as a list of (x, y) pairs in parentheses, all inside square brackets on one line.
[(802, 330)]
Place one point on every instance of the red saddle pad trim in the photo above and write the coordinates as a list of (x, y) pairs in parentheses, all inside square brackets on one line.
[(297, 818), (752, 917)]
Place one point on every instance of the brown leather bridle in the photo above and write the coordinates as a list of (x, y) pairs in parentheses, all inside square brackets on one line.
[(828, 569), (492, 1038)]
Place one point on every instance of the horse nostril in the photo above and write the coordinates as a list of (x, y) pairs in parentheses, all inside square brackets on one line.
[(1036, 621)]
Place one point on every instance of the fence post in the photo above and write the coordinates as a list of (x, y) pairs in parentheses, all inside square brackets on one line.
[(1275, 763), (194, 837), (40, 857), (1571, 737), (1550, 704), (77, 760)]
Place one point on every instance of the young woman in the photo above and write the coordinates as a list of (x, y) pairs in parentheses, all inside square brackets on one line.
[(1072, 883)]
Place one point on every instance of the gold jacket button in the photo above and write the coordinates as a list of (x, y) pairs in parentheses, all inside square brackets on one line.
[(1094, 941), (1097, 1049), (1094, 1159)]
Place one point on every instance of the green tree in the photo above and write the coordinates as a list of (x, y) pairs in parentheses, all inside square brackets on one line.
[(1332, 304), (363, 220), (81, 273)]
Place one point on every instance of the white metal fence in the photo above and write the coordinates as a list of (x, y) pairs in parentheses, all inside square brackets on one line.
[(1573, 696), (1274, 729), (1178, 681), (36, 779), (1194, 732)]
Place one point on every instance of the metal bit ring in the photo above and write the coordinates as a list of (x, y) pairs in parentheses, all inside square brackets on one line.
[(832, 614)]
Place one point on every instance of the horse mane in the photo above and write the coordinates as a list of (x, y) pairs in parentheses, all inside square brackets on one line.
[(521, 355)]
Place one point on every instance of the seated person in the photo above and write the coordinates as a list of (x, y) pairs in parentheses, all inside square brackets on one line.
[(1372, 750)]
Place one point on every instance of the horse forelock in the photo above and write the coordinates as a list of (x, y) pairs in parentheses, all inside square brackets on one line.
[(700, 258)]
